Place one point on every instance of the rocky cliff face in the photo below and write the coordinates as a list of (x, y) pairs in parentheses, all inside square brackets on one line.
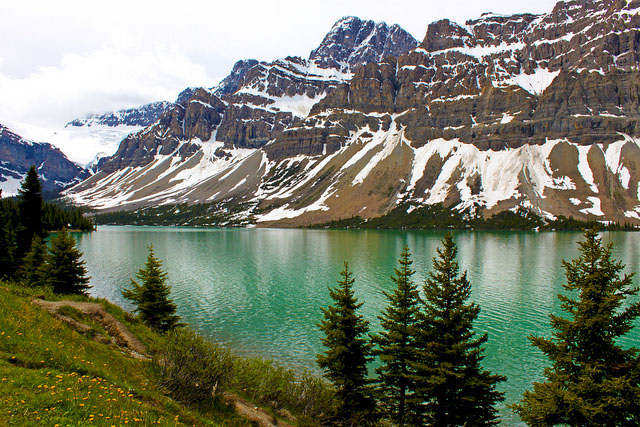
[(524, 111), (18, 155), (194, 118), (502, 82)]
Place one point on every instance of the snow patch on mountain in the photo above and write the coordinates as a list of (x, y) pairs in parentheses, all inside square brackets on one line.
[(500, 172), (391, 139), (284, 212), (298, 105), (378, 139), (210, 165), (612, 157), (316, 166), (482, 51), (312, 70), (9, 183), (584, 168), (535, 83), (595, 208)]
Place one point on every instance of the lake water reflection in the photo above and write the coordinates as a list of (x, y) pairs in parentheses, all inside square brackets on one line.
[(259, 291)]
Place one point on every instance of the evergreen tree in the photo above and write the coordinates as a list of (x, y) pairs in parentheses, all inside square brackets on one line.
[(452, 386), (33, 272), (65, 268), (592, 381), (397, 345), (348, 351), (30, 207), (7, 249), (58, 215), (8, 221), (151, 296)]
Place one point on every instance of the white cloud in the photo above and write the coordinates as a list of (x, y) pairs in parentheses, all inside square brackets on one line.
[(103, 80)]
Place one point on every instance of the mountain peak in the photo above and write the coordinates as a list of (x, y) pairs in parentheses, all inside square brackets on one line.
[(353, 41), (345, 21), (234, 80)]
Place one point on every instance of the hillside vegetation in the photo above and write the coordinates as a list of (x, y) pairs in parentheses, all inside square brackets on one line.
[(55, 374)]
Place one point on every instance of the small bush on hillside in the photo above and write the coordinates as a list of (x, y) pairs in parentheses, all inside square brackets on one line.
[(191, 369), (270, 384), (314, 399)]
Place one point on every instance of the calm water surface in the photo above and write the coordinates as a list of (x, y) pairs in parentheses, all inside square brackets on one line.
[(259, 291)]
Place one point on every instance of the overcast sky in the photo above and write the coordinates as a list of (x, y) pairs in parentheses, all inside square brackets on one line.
[(63, 59)]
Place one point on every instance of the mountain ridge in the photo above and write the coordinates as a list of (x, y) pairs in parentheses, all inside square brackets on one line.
[(254, 103), (555, 96), (18, 154), (143, 115)]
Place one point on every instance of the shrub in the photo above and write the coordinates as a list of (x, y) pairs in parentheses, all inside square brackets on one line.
[(191, 369), (270, 384)]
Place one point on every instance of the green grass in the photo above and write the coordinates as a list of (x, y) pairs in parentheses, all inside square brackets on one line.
[(50, 374)]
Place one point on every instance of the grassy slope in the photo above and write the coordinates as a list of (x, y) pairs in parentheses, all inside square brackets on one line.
[(52, 375)]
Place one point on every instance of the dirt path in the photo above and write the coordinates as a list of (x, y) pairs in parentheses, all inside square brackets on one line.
[(254, 413), (116, 330)]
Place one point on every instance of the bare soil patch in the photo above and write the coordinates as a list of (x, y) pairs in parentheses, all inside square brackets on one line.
[(254, 413), (119, 334)]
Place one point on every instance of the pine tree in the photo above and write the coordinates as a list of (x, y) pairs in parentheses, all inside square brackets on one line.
[(7, 249), (397, 345), (8, 221), (33, 272), (151, 296), (451, 382), (592, 381), (65, 268), (30, 206), (347, 354)]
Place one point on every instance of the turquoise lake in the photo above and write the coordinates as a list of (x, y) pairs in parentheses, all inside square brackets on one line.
[(259, 291)]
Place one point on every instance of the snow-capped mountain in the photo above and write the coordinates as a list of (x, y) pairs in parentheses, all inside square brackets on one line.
[(352, 42), (18, 155), (142, 116), (525, 111), (256, 102), (104, 132)]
